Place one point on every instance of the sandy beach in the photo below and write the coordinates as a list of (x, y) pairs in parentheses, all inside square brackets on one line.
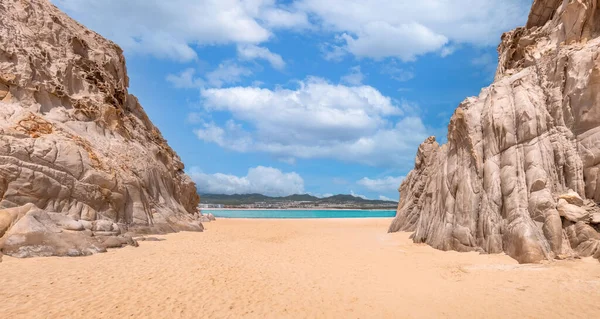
[(326, 268)]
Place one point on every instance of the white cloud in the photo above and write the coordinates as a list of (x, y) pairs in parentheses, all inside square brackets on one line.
[(410, 41), (170, 29), (381, 197), (366, 28), (355, 77), (386, 184), (316, 120), (448, 50), (227, 72), (358, 195), (252, 52), (185, 80), (196, 118), (316, 108), (333, 52), (407, 29), (232, 136), (263, 180), (286, 18)]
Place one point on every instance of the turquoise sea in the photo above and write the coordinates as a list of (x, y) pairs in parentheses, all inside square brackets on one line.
[(272, 213)]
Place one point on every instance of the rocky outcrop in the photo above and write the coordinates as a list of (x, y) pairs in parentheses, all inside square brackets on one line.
[(81, 165), (520, 172), (207, 218)]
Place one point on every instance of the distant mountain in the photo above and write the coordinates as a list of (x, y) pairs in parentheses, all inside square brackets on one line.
[(236, 199), (249, 199), (299, 198)]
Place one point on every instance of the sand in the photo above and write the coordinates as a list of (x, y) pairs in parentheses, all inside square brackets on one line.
[(295, 269)]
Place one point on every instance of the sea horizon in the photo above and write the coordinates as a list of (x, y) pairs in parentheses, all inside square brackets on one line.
[(301, 213)]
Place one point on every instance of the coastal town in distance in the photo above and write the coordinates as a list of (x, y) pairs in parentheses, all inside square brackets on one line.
[(304, 201)]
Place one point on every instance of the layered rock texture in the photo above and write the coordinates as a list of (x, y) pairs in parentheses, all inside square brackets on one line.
[(81, 165), (520, 172)]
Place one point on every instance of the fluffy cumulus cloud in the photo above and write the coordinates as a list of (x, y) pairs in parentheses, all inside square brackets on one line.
[(317, 119), (263, 180), (407, 29), (364, 28), (252, 52), (169, 29), (387, 184), (410, 41)]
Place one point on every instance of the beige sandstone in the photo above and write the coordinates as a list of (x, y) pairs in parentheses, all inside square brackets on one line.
[(572, 197), (572, 212), (524, 156), (81, 165)]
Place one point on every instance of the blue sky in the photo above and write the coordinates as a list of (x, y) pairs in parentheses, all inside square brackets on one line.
[(304, 96)]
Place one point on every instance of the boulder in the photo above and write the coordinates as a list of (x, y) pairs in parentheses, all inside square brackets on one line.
[(118, 241), (37, 234), (204, 219), (9, 216), (104, 233), (584, 239), (573, 212), (102, 225), (112, 242), (572, 198), (87, 225), (66, 222)]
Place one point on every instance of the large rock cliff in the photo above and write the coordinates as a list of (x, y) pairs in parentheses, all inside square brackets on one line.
[(521, 170), (81, 165)]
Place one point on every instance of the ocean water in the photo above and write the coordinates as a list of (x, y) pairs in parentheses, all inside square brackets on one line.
[(272, 213)]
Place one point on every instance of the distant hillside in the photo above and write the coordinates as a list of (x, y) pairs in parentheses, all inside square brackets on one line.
[(247, 199), (299, 198)]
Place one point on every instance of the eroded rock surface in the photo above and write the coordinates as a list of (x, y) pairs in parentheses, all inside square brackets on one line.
[(81, 165), (521, 170)]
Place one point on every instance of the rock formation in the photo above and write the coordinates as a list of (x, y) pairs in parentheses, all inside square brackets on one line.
[(207, 218), (81, 165), (520, 172)]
